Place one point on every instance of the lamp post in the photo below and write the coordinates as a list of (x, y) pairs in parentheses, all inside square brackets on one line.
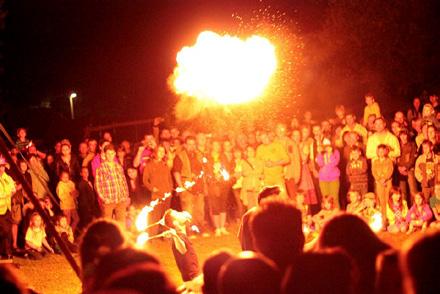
[(72, 96)]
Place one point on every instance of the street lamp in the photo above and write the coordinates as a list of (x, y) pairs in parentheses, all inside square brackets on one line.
[(72, 96)]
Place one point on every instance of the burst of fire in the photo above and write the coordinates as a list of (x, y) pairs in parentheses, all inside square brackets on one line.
[(376, 222), (225, 69)]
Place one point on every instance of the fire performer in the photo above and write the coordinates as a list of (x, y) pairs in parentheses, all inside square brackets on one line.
[(187, 167), (183, 250)]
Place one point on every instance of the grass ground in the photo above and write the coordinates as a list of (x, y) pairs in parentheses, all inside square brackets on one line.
[(53, 275)]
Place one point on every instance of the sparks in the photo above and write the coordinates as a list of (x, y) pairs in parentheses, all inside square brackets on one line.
[(225, 69), (225, 174)]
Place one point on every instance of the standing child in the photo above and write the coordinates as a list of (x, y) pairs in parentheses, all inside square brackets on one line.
[(427, 169), (328, 210), (419, 215), (329, 173), (357, 171), (67, 193), (36, 243), (396, 212), (382, 168)]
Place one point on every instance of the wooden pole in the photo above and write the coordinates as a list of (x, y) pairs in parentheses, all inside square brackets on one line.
[(50, 226)]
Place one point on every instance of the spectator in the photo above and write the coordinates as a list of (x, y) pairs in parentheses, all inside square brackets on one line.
[(88, 207), (405, 165), (277, 232), (328, 210), (328, 271), (157, 179), (382, 169), (372, 107), (111, 186), (100, 237), (244, 230), (397, 210), (382, 137), (7, 189), (211, 270), (427, 169), (249, 273), (434, 203), (420, 273), (352, 234), (68, 195), (36, 243), (328, 160), (275, 158), (419, 214), (187, 167), (356, 170)]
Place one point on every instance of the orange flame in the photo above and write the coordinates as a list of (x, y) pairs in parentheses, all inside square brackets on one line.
[(225, 69)]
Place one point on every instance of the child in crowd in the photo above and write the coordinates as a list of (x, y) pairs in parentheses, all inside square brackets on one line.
[(36, 243), (369, 207), (328, 210), (300, 203), (66, 232), (419, 215), (382, 169), (434, 203), (357, 171), (329, 173), (355, 204), (405, 165), (67, 193), (427, 169), (372, 107), (396, 212)]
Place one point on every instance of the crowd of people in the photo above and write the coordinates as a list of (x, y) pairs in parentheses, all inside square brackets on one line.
[(309, 171)]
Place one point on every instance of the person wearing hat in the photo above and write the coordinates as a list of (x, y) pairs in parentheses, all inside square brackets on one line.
[(7, 188)]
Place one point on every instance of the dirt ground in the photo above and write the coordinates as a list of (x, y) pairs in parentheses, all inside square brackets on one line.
[(53, 274)]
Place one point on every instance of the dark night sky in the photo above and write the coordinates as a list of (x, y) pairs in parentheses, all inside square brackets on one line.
[(116, 54)]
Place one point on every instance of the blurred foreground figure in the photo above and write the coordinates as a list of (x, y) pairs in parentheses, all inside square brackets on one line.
[(249, 273), (419, 262)]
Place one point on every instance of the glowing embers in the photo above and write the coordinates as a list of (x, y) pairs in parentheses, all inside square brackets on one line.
[(225, 69)]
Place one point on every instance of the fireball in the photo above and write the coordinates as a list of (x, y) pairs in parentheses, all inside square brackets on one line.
[(225, 69)]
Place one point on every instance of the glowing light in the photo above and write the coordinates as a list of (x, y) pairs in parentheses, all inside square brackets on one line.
[(306, 229), (180, 189), (142, 218), (195, 229), (225, 174), (142, 239), (188, 184), (204, 160), (225, 69), (376, 223)]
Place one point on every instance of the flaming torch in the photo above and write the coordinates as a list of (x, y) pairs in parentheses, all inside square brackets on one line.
[(224, 69), (376, 222)]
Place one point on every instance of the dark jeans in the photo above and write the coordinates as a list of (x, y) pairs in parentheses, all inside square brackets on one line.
[(6, 234)]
